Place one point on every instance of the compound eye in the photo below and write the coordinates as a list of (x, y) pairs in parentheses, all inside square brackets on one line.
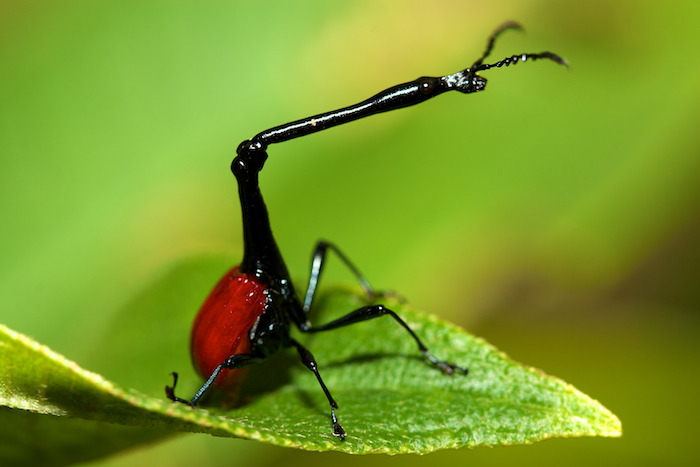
[(427, 85)]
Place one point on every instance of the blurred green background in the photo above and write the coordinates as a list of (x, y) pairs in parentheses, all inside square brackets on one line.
[(557, 215)]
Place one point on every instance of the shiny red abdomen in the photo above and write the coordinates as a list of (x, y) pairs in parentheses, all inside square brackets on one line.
[(221, 327)]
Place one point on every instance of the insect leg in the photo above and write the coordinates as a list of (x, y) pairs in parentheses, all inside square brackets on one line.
[(234, 361), (308, 359), (317, 263), (375, 311)]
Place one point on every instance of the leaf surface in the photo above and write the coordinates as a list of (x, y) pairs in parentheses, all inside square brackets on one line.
[(391, 400)]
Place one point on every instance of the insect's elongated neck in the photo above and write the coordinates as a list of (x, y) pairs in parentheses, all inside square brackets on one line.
[(261, 256), (395, 97)]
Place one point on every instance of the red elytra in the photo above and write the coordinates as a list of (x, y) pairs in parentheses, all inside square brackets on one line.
[(222, 324)]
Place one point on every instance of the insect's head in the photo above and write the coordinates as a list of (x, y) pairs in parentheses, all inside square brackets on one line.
[(466, 81)]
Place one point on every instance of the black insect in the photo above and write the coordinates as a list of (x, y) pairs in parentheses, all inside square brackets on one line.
[(249, 313)]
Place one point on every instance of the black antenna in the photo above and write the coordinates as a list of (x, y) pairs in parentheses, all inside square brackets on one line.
[(492, 40), (513, 59)]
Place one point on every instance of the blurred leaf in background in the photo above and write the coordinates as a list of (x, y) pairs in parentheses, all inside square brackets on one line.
[(556, 214)]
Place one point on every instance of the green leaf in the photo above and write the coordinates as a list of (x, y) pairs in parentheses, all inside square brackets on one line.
[(391, 400)]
